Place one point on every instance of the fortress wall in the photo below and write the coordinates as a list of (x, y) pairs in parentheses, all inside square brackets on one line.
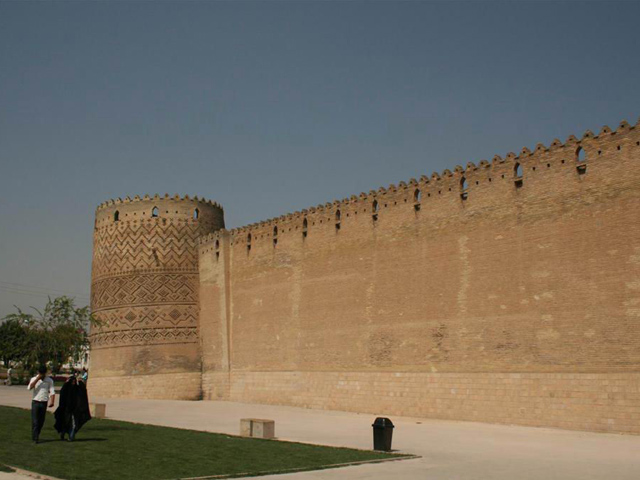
[(145, 293), (214, 318), (514, 305)]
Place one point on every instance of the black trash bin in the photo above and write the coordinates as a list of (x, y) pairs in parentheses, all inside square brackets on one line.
[(382, 433)]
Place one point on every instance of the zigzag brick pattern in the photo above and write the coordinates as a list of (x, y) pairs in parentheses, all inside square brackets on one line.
[(145, 286), (152, 296), (153, 246)]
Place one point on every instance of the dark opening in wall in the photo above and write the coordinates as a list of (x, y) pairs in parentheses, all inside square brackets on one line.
[(374, 211), (581, 155), (337, 220), (581, 161), (116, 216), (417, 196), (248, 243), (196, 214), (275, 236), (464, 194), (305, 228), (217, 250), (154, 212), (517, 174)]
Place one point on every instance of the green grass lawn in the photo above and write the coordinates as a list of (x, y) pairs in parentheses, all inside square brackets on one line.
[(112, 450)]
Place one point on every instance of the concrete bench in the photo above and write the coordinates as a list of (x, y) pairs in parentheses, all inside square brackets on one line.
[(257, 427), (98, 410)]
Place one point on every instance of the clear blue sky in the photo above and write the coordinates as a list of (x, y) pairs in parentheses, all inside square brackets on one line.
[(270, 107)]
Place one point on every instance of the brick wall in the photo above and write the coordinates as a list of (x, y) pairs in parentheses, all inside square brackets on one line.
[(576, 401), (167, 386), (491, 293)]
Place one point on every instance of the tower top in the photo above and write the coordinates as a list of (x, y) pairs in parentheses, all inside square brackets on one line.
[(157, 208)]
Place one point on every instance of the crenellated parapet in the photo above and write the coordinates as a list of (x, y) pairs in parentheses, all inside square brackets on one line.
[(513, 167), (156, 197), (208, 215)]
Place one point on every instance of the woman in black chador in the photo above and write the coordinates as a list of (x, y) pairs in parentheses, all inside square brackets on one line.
[(73, 411)]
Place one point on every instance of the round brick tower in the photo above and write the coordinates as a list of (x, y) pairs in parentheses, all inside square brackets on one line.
[(144, 291)]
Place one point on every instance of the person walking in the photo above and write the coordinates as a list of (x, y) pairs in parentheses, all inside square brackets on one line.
[(43, 395), (73, 408), (9, 372)]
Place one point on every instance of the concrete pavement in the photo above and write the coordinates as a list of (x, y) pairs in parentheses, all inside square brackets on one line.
[(449, 450)]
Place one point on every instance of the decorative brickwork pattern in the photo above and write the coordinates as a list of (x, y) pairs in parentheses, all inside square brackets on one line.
[(155, 245), (145, 284), (145, 336), (148, 289), (147, 316)]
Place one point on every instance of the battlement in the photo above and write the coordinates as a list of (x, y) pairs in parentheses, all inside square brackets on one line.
[(489, 291), (573, 154), (156, 197), (158, 208)]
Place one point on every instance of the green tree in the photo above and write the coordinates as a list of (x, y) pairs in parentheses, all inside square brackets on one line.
[(56, 335), (13, 341)]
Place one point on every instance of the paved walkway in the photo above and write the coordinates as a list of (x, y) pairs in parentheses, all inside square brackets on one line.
[(449, 450), (13, 476)]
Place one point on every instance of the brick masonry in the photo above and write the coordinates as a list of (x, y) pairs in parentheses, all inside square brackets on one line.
[(145, 293), (595, 402), (158, 386), (506, 292)]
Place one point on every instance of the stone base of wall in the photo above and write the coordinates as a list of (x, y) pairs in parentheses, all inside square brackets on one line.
[(215, 386), (168, 386), (593, 402)]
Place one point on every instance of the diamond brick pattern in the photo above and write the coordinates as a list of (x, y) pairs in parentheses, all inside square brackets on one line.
[(165, 288), (147, 336)]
